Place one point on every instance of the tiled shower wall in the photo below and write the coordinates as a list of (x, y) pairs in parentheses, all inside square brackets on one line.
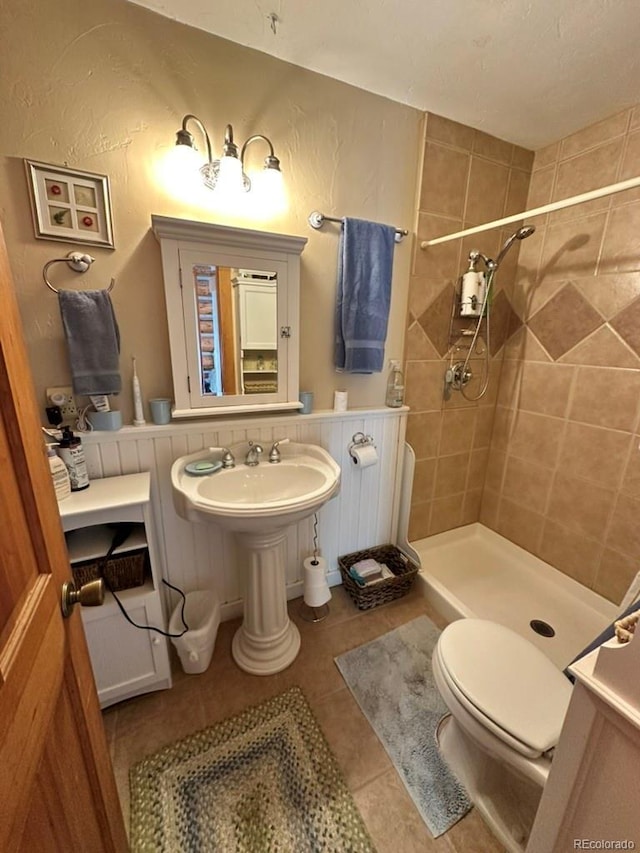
[(558, 472), (468, 178), (563, 479)]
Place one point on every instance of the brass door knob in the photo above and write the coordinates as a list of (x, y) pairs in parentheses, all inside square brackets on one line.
[(90, 594)]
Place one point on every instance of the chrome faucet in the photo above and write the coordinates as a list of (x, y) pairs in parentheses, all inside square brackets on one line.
[(253, 454), (274, 455), (227, 458)]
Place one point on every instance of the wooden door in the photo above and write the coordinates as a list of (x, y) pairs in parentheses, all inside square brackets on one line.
[(57, 791)]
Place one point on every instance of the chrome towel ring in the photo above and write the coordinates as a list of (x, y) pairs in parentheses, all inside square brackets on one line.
[(78, 262)]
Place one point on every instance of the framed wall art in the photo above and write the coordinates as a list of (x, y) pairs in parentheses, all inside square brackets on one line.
[(70, 205)]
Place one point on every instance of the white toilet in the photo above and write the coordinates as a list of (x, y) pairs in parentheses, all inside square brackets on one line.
[(507, 703)]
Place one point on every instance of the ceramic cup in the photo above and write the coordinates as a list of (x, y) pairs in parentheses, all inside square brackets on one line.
[(160, 410), (306, 398)]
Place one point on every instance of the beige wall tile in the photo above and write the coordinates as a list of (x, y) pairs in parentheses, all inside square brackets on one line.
[(484, 427), (603, 348), (522, 158), (471, 506), (450, 132), (614, 574), (609, 294), (545, 156), (631, 480), (492, 148), (581, 506), (565, 320), (545, 388), (423, 289), (436, 319), (593, 169), (458, 426), (634, 121), (477, 469), (437, 263), (444, 180), (624, 530), (424, 479), (606, 397), (596, 454), (527, 484), (594, 134), (496, 464), (418, 346), (619, 247), (517, 192), (573, 553), (520, 525), (419, 520), (571, 248), (541, 187), (446, 513), (489, 508), (536, 438), (423, 433), (424, 385), (488, 184), (502, 427), (451, 474)]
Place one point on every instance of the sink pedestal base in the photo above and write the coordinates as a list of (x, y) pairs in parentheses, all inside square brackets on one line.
[(267, 641)]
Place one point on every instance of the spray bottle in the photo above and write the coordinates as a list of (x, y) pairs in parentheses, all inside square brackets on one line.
[(138, 411)]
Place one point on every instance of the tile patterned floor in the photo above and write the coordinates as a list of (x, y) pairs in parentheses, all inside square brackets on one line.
[(142, 725)]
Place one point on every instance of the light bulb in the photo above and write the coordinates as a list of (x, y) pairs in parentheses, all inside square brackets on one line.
[(268, 192), (181, 171), (229, 183)]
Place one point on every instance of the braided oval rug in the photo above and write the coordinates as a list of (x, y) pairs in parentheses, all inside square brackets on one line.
[(262, 781)]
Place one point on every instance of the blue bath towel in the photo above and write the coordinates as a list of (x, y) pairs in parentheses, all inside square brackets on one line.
[(365, 265), (93, 339)]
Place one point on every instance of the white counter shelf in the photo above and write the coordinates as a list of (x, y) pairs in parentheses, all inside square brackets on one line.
[(126, 660)]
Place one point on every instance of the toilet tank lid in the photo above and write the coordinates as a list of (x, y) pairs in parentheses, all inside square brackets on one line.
[(508, 679)]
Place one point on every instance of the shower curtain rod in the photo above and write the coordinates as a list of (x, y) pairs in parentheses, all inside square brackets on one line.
[(537, 211)]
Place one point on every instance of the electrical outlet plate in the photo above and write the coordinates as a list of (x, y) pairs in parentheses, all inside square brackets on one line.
[(62, 396)]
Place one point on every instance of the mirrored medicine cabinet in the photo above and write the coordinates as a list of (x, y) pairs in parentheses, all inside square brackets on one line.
[(232, 298)]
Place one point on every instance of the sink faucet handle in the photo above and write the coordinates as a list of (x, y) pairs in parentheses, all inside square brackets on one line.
[(274, 455), (227, 457)]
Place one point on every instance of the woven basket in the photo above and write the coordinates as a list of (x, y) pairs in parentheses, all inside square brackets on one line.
[(366, 597), (123, 571)]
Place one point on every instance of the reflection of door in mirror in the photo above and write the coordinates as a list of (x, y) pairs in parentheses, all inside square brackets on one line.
[(256, 300), (216, 337)]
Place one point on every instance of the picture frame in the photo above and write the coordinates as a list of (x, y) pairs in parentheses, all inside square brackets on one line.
[(70, 205)]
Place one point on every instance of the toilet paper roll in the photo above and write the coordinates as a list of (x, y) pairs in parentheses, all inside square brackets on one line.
[(316, 587), (364, 457)]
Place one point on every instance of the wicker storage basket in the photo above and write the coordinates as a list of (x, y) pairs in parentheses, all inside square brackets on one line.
[(123, 571), (366, 597)]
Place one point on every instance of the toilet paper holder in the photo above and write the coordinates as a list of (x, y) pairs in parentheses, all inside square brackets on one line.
[(359, 439)]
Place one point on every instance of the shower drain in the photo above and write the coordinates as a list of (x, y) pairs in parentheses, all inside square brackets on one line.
[(542, 628)]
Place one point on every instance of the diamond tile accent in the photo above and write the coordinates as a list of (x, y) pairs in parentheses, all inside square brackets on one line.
[(504, 322), (627, 325), (437, 318), (565, 320)]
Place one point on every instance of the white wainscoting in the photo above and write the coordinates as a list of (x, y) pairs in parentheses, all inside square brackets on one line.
[(202, 556)]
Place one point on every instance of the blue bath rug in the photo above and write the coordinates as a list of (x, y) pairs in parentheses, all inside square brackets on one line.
[(392, 682)]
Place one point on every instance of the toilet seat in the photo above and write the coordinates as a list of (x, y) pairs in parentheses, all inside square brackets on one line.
[(506, 683)]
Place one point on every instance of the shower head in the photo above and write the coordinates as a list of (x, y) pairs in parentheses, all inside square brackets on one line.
[(520, 234)]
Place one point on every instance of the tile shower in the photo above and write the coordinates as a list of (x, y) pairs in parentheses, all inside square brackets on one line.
[(549, 457)]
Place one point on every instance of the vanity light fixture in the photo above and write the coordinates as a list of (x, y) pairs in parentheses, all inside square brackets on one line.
[(226, 176)]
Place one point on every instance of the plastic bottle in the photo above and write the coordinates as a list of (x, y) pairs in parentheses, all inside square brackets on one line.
[(395, 387), (59, 474), (72, 454)]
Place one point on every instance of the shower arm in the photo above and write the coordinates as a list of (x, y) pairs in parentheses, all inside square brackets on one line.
[(474, 255)]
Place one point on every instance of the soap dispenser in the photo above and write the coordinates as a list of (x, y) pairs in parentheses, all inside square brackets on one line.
[(395, 387)]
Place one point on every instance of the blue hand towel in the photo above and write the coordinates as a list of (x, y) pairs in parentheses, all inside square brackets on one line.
[(365, 265), (93, 339)]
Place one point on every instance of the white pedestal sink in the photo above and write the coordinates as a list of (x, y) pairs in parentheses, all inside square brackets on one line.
[(258, 504)]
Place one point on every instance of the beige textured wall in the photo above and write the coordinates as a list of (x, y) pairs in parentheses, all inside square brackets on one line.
[(564, 474), (103, 87), (468, 178)]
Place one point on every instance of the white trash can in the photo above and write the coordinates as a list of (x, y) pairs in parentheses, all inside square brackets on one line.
[(202, 615)]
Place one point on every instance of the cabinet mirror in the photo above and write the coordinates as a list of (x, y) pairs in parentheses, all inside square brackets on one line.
[(232, 305)]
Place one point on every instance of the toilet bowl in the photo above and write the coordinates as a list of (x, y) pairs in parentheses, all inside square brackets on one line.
[(507, 704)]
